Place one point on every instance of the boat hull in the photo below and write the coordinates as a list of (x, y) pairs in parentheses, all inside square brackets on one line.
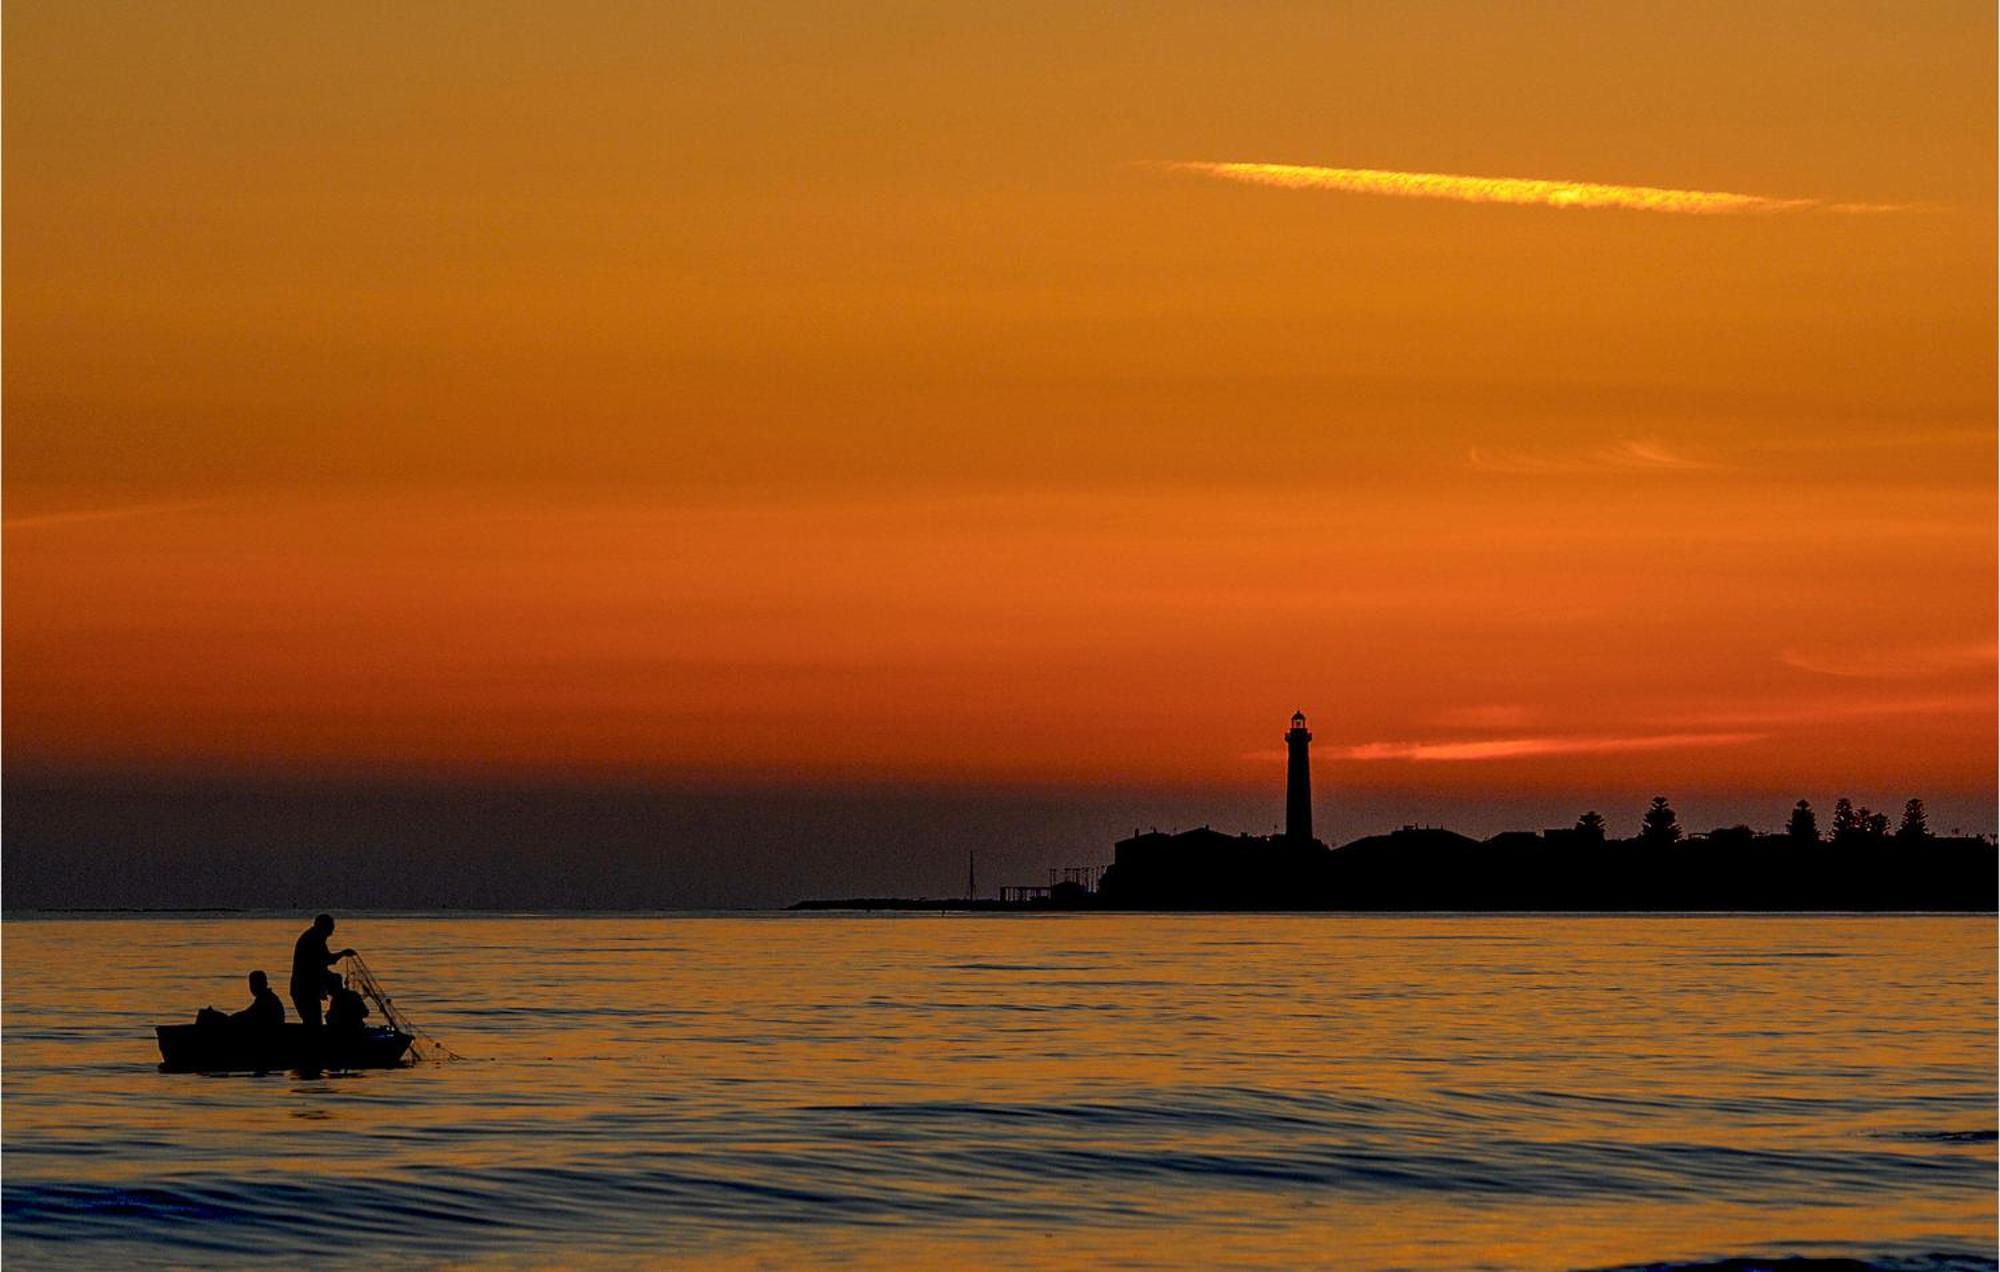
[(226, 1049)]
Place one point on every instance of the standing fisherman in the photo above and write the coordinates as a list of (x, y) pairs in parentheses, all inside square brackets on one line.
[(310, 960)]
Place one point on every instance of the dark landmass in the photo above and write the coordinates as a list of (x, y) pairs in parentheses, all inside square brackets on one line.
[(1433, 869), (1425, 868), (1858, 866)]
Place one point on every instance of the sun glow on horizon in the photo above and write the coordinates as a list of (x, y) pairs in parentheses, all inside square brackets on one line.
[(772, 393)]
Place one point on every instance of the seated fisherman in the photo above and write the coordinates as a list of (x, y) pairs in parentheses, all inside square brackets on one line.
[(264, 1011)]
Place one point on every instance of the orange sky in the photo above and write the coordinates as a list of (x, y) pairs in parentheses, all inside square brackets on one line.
[(771, 392)]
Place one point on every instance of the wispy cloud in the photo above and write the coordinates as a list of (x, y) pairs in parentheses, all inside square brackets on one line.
[(1630, 455), (1906, 663), (1784, 716), (40, 520), (1514, 748), (1526, 191)]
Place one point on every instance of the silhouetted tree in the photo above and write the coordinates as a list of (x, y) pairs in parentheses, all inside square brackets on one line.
[(1874, 825), (1591, 826), (1915, 825), (1846, 822), (1803, 826), (1659, 825)]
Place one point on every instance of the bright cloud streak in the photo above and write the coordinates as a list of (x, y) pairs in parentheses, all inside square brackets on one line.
[(1517, 190), (1511, 748)]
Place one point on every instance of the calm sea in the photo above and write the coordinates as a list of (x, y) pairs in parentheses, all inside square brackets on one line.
[(1425, 1092)]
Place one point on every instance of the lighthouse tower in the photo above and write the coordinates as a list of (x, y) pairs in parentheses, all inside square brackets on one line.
[(1298, 782)]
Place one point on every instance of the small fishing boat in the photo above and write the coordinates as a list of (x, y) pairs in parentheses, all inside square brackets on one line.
[(218, 1044), (227, 1049)]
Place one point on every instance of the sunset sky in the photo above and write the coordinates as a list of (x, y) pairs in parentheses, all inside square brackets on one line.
[(1575, 400)]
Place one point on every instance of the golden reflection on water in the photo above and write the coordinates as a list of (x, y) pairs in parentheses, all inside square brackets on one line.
[(1406, 1091)]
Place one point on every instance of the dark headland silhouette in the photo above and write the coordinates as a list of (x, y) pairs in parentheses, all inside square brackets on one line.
[(1860, 864)]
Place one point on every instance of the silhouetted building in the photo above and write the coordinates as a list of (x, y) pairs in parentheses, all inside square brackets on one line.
[(1298, 782), (1209, 870), (1205, 869)]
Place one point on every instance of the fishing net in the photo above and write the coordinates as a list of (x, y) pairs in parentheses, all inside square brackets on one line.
[(362, 979)]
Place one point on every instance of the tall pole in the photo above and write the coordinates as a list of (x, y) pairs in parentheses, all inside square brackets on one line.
[(1298, 782)]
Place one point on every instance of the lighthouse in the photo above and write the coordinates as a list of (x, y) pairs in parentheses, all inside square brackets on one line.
[(1298, 782)]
